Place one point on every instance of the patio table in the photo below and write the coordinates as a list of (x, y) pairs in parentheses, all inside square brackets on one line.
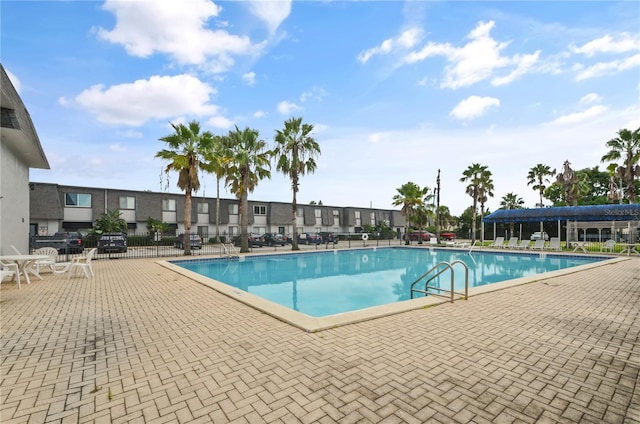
[(25, 264), (630, 248), (580, 245)]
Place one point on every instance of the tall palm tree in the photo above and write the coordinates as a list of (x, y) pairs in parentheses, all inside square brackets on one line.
[(511, 201), (295, 153), (474, 175), (410, 196), (247, 161), (217, 166), (538, 178), (186, 156), (626, 147)]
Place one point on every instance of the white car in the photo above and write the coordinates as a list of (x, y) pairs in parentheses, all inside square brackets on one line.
[(538, 235)]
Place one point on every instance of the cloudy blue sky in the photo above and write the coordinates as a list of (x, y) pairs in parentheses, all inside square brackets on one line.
[(396, 90)]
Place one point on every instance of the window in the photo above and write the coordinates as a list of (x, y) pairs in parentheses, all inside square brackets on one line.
[(373, 218), (358, 220), (203, 207), (127, 202), (169, 205), (77, 200), (318, 213), (233, 209), (336, 212), (259, 210), (300, 213)]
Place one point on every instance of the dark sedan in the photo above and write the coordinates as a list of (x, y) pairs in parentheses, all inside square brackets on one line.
[(275, 239), (308, 238)]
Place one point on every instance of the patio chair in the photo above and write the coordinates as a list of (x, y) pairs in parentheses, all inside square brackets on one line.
[(513, 243), (83, 263), (499, 243), (538, 244), (524, 244), (8, 270), (554, 243), (50, 262), (608, 245)]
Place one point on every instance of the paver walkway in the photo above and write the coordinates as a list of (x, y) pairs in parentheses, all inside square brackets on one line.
[(140, 344)]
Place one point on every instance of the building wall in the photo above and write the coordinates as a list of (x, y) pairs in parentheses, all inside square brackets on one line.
[(48, 211), (14, 198)]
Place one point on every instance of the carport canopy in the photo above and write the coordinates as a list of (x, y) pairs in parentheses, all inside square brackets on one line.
[(629, 212)]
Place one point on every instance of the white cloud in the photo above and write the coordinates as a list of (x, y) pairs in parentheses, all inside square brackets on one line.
[(315, 93), (169, 27), (473, 107), (406, 40), (129, 134), (606, 68), (273, 13), (219, 122), (477, 60), (117, 147), (624, 42), (285, 108), (159, 97), (14, 80), (249, 78), (577, 117), (590, 98), (259, 114)]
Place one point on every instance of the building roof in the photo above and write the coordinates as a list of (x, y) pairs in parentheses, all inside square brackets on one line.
[(567, 213), (18, 132)]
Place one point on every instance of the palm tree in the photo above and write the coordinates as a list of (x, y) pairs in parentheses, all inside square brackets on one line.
[(538, 177), (295, 152), (186, 156), (247, 161), (511, 201), (217, 166), (410, 196), (476, 175), (626, 147)]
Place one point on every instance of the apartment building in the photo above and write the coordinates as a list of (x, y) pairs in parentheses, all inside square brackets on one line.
[(56, 207)]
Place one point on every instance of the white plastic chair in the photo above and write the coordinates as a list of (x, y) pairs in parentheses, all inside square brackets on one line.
[(50, 262), (554, 243), (7, 270), (608, 245), (538, 244), (499, 243), (513, 243), (83, 263)]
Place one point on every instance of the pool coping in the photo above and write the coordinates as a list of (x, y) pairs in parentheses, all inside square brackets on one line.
[(313, 324)]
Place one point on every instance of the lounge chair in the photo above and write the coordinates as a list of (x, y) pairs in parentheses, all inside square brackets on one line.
[(554, 243), (513, 243), (524, 244), (499, 243), (538, 244), (83, 263), (433, 241)]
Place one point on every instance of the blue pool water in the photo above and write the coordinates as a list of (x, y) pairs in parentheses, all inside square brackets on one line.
[(332, 282)]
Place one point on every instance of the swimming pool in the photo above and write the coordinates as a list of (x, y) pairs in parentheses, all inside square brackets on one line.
[(321, 284)]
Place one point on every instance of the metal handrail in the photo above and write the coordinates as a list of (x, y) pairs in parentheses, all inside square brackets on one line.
[(439, 268)]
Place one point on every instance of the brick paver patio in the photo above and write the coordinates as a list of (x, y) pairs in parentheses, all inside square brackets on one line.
[(138, 343)]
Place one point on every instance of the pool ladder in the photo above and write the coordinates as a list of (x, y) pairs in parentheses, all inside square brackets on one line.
[(434, 272), (229, 251)]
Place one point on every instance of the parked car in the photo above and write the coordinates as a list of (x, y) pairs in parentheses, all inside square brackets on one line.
[(274, 239), (425, 235), (195, 241), (328, 237), (447, 236), (255, 240), (64, 241), (538, 235), (308, 238), (112, 243)]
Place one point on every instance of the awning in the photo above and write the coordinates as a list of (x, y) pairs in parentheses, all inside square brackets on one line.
[(567, 213)]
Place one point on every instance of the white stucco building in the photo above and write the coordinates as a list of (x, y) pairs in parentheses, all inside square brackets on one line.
[(20, 150)]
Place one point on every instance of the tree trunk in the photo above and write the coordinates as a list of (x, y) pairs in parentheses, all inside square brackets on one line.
[(244, 221), (187, 223), (474, 216), (218, 209), (294, 224)]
